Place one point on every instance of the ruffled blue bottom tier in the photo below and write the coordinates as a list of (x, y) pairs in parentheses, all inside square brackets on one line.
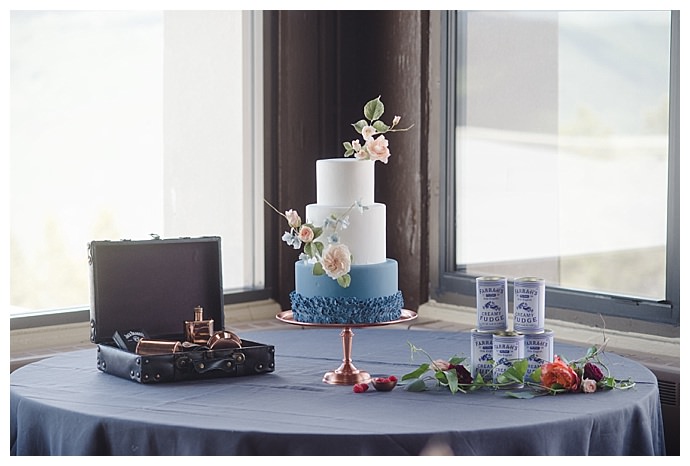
[(345, 310)]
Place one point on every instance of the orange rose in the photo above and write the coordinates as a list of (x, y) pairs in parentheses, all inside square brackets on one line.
[(558, 372)]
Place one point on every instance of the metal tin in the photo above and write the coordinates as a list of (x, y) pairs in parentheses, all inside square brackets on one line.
[(507, 347), (492, 304), (147, 347), (481, 354), (528, 304), (538, 350)]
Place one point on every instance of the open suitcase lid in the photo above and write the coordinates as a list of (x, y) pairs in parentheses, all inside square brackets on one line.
[(154, 285)]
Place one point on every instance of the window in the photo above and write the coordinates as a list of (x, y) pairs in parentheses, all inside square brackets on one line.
[(126, 124), (563, 157)]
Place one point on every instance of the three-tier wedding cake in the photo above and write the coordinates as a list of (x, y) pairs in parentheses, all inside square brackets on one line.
[(356, 223)]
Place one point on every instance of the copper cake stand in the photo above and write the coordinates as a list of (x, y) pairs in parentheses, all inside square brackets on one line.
[(347, 373)]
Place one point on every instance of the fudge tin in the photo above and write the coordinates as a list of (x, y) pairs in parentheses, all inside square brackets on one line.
[(492, 304), (528, 305), (507, 347), (538, 349), (481, 354)]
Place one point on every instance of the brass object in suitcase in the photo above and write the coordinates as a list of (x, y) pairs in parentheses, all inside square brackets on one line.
[(147, 347), (198, 330), (223, 340)]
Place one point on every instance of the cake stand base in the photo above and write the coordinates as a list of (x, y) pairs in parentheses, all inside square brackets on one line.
[(347, 373), (338, 377)]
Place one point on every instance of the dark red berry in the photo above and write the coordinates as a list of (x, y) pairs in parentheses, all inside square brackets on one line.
[(360, 388)]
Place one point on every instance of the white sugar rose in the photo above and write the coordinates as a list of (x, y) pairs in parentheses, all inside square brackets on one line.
[(378, 149), (293, 218), (306, 234), (336, 260)]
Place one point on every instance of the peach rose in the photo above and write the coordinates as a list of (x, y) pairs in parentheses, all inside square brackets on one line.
[(558, 372), (306, 234), (378, 149), (336, 260)]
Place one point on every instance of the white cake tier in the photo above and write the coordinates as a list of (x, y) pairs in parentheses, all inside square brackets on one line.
[(340, 182), (366, 234)]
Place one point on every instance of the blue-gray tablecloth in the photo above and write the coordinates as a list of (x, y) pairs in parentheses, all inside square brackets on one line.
[(64, 406)]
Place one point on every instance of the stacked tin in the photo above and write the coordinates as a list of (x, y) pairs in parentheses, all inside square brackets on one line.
[(492, 319), (529, 298), (493, 345)]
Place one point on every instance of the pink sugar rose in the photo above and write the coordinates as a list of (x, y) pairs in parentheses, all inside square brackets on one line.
[(589, 386), (293, 218), (368, 132), (306, 234), (336, 260), (378, 149)]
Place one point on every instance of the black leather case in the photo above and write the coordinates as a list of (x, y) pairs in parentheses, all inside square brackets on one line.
[(155, 285)]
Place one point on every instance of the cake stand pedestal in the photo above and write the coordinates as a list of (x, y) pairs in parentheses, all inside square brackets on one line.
[(347, 373)]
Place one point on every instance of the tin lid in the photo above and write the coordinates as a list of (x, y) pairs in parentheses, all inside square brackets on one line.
[(529, 280), (507, 333), (545, 331), (490, 279), (154, 285)]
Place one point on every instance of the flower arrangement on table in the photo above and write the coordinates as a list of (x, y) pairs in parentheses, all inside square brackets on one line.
[(584, 375)]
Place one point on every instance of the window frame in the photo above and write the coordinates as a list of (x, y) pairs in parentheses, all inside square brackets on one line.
[(454, 286), (256, 103)]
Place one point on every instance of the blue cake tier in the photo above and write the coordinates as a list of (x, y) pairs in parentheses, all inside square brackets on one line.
[(372, 296)]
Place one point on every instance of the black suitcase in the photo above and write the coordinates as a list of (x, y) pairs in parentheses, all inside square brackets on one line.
[(152, 288)]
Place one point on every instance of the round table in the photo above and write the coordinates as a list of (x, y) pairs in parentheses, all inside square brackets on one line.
[(64, 406)]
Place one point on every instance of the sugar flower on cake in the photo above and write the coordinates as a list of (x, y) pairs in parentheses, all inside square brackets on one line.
[(293, 218), (372, 128), (334, 258)]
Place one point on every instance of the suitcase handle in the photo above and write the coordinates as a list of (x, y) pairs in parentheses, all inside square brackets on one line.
[(223, 364)]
